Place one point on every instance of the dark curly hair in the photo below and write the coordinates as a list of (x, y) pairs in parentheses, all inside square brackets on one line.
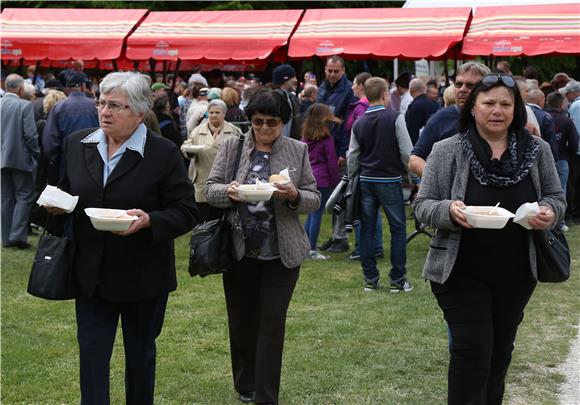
[(269, 102)]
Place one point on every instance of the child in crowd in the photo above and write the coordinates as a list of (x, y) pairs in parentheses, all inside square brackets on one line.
[(316, 134)]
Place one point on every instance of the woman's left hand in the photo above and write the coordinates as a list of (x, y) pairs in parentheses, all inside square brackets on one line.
[(543, 220), (142, 221), (286, 192)]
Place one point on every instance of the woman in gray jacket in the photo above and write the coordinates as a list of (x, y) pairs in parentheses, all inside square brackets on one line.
[(483, 278), (269, 241)]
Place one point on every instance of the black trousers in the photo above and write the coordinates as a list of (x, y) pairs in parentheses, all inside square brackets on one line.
[(141, 322), (483, 319), (257, 297)]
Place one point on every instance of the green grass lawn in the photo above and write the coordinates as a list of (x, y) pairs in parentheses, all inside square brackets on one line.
[(343, 346)]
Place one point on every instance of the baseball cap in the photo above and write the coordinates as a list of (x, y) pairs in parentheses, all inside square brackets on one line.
[(158, 86), (76, 79), (282, 74), (571, 87)]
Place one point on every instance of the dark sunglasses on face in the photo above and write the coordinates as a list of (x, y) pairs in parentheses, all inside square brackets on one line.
[(259, 122), (494, 78), (469, 85)]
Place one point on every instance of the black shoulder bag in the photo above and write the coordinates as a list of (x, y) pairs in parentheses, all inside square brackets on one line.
[(52, 276), (552, 256), (210, 247)]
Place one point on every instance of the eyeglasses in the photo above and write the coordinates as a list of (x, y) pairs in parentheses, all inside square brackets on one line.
[(259, 122), (493, 78), (469, 85), (114, 107)]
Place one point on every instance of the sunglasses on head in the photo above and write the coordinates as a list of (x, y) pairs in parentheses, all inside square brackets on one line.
[(493, 78)]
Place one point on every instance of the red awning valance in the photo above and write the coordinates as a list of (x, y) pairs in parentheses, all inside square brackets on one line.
[(60, 34), (524, 30), (381, 32), (212, 35)]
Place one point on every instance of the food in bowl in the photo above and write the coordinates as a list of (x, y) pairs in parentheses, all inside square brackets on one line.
[(486, 218), (255, 192)]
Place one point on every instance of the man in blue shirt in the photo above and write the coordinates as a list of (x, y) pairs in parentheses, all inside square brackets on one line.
[(73, 114), (443, 124), (336, 92)]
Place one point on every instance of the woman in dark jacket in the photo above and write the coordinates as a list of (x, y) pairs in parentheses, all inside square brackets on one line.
[(483, 278), (124, 275)]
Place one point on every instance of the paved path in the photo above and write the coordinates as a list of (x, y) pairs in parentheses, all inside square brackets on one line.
[(570, 389)]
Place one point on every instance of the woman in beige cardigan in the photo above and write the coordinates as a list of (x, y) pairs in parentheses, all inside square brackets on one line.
[(202, 145), (269, 241)]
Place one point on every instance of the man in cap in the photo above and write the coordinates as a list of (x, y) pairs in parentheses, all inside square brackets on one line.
[(284, 82), (197, 110), (571, 91), (73, 114), (158, 89), (19, 156)]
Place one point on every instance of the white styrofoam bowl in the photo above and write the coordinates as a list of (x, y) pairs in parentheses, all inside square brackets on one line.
[(193, 148), (250, 192), (105, 219), (478, 217)]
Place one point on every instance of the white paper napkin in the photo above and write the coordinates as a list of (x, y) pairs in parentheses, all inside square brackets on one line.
[(286, 174), (524, 212), (55, 197)]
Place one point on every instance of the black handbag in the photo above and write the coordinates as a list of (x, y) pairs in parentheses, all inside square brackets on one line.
[(552, 256), (210, 246), (52, 276)]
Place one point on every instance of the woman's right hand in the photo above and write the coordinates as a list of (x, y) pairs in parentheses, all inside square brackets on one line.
[(55, 210), (233, 193), (457, 215)]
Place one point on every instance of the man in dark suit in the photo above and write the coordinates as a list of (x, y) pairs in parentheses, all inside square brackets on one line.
[(420, 109), (126, 275), (19, 156), (68, 116)]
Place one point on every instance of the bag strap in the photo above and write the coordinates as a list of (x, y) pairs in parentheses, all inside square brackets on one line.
[(238, 156)]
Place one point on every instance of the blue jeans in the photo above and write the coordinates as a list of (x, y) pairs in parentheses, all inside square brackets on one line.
[(312, 225), (378, 241), (390, 197), (563, 169)]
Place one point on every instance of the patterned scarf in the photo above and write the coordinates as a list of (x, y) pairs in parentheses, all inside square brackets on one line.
[(513, 165)]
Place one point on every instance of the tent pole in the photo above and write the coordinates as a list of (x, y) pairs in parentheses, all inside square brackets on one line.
[(164, 71), (152, 66), (36, 67), (175, 72), (115, 66)]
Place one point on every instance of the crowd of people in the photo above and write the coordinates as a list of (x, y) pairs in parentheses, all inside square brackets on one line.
[(169, 147)]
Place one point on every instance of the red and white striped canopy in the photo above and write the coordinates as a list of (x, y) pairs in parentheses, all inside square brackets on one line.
[(212, 35), (524, 30), (61, 34)]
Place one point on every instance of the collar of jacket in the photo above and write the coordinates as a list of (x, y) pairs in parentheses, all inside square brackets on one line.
[(227, 129)]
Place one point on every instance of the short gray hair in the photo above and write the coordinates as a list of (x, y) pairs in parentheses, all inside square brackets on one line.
[(135, 85), (14, 82), (218, 103), (476, 67), (417, 85)]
